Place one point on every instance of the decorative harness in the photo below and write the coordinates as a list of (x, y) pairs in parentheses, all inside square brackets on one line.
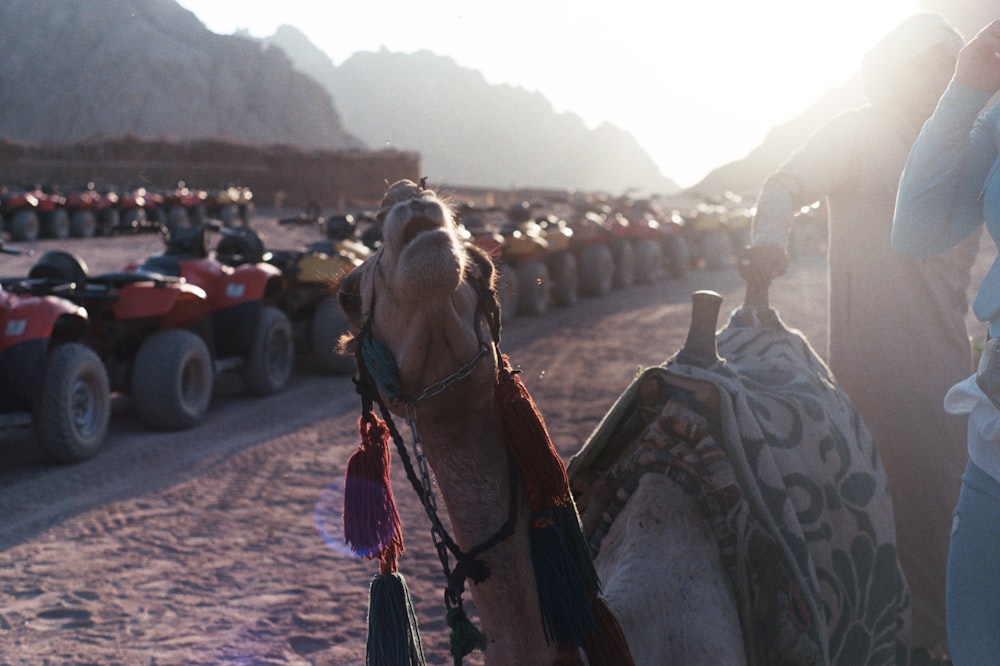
[(573, 614)]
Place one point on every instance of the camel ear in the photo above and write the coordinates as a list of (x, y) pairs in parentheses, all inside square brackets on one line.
[(487, 269)]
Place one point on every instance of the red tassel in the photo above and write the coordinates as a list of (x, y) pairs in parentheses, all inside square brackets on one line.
[(371, 522), (542, 470), (607, 645)]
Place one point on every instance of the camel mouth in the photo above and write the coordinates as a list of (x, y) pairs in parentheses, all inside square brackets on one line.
[(418, 225)]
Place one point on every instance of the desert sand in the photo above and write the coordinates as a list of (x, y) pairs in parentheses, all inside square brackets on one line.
[(221, 544)]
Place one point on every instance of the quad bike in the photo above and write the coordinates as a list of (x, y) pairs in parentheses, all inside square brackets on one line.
[(185, 207), (52, 214), (524, 250), (709, 236), (20, 215), (152, 333), (563, 268), (307, 296), (592, 247), (92, 212), (521, 250), (48, 377), (676, 251), (249, 330), (230, 205), (139, 211)]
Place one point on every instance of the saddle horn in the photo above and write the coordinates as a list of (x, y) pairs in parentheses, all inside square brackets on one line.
[(700, 348)]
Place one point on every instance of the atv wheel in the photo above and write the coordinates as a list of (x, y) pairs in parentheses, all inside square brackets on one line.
[(624, 258), (565, 278), (25, 226), (328, 325), (82, 224), (534, 288), (677, 255), (507, 290), (716, 250), (648, 262), (272, 354), (108, 222), (229, 215), (597, 270), (74, 404), (177, 218), (56, 224), (172, 379)]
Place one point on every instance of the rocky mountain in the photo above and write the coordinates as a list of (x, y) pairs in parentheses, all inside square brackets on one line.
[(471, 132), (151, 69)]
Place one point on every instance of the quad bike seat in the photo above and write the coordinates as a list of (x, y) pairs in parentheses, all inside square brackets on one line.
[(60, 266)]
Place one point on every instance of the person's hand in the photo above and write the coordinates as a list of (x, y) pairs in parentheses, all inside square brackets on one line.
[(979, 60), (759, 264)]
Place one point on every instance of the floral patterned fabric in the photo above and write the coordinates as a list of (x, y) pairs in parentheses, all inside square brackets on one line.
[(790, 482)]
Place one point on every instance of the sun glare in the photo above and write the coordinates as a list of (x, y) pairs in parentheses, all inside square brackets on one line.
[(697, 83)]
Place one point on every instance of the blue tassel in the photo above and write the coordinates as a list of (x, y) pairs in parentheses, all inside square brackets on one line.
[(393, 636), (381, 364), (567, 617)]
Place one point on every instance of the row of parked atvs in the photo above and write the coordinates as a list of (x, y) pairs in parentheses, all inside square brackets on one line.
[(161, 329)]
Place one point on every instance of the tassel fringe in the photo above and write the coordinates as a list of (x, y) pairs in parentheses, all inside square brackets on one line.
[(606, 646), (393, 635), (371, 522), (465, 637)]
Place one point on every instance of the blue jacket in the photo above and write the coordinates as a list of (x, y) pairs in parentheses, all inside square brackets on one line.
[(951, 185)]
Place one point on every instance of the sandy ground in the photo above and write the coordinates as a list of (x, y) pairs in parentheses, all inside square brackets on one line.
[(221, 544)]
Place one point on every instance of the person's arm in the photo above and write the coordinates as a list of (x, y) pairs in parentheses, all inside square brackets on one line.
[(817, 167), (939, 200)]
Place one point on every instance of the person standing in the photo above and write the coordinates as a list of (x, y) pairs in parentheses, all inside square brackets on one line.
[(950, 189), (897, 338)]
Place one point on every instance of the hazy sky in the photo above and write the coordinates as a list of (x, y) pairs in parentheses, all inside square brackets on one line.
[(698, 82)]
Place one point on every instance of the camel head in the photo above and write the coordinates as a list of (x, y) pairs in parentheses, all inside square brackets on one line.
[(424, 304)]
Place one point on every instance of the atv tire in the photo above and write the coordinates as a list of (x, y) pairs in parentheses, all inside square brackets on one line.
[(648, 262), (565, 278), (597, 270), (534, 289), (328, 325), (272, 354), (172, 380), (25, 226), (73, 405), (677, 255), (133, 219), (82, 224), (624, 259), (55, 224), (716, 250)]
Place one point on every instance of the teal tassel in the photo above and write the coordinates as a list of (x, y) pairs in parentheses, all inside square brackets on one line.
[(465, 637), (565, 605), (393, 636), (567, 520)]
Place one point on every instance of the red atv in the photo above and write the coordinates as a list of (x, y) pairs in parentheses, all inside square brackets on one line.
[(48, 377), (20, 215), (140, 210), (52, 214), (152, 332), (249, 331), (185, 206)]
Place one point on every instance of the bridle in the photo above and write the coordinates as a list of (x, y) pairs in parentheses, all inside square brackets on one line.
[(378, 380)]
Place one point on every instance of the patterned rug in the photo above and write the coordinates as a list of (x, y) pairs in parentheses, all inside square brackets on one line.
[(788, 478)]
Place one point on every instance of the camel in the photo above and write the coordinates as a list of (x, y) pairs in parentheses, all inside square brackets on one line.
[(425, 322)]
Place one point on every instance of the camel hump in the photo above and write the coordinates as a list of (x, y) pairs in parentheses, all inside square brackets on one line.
[(700, 348)]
